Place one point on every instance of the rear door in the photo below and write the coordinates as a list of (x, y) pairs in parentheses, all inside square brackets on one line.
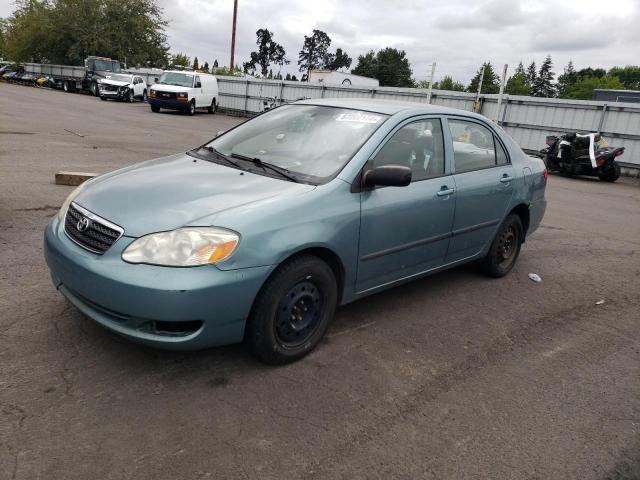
[(484, 179), (405, 230)]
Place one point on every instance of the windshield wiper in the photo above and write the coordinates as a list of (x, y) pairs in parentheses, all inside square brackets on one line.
[(219, 155), (283, 172)]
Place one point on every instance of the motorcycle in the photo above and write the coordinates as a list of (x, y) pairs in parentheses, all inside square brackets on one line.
[(575, 154)]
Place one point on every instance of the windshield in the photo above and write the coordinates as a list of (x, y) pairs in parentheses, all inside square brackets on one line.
[(107, 65), (178, 79), (312, 141), (121, 78)]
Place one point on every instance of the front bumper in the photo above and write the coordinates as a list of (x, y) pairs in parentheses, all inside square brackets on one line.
[(139, 301), (119, 94), (168, 104)]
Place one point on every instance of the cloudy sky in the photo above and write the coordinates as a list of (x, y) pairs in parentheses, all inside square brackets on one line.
[(457, 34)]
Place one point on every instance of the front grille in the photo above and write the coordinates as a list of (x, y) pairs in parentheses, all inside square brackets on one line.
[(165, 95), (95, 234), (109, 88)]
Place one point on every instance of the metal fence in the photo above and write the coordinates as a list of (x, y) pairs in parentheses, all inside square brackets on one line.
[(527, 119)]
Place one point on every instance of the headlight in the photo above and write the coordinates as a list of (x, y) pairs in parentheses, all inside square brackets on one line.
[(184, 247), (67, 202), (182, 96)]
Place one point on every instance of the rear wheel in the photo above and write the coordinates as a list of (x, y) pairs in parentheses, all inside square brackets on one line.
[(292, 311), (212, 108), (192, 108), (505, 248), (612, 174), (144, 96), (94, 89)]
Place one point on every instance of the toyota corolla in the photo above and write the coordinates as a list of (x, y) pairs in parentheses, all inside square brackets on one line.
[(261, 233)]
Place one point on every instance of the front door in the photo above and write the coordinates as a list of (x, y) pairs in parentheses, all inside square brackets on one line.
[(405, 230), (484, 185)]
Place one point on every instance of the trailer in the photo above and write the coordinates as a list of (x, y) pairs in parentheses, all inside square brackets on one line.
[(72, 78), (341, 78)]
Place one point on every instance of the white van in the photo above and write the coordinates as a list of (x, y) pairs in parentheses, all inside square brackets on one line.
[(186, 91)]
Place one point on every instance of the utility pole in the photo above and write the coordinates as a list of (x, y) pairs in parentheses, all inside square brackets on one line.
[(233, 35), (477, 106), (504, 80), (433, 72)]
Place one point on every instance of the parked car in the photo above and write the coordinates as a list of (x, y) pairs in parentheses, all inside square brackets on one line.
[(260, 233), (123, 86), (185, 91)]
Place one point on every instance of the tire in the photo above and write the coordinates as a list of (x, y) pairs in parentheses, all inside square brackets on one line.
[(212, 108), (304, 286), (67, 86), (505, 248), (102, 97), (144, 96), (192, 108), (130, 97), (155, 109), (612, 174), (94, 89)]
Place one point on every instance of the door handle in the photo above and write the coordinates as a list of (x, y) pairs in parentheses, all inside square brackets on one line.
[(506, 178), (444, 191)]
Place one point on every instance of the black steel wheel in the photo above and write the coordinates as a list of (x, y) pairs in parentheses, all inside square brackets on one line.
[(505, 247), (292, 311), (155, 109)]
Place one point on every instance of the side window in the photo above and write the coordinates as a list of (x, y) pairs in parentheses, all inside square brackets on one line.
[(473, 146), (419, 146), (501, 155), (196, 82)]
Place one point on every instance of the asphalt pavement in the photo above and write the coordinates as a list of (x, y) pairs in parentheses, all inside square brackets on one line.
[(456, 376)]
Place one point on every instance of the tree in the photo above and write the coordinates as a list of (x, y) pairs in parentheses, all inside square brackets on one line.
[(629, 76), (268, 52), (490, 81), (180, 60), (518, 84), (338, 60), (205, 67), (584, 87), (543, 85), (314, 51), (195, 65), (390, 66), (567, 80), (67, 31), (448, 83), (288, 77), (294, 78), (215, 63), (532, 73)]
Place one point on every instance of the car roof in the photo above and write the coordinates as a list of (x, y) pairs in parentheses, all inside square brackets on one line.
[(387, 107)]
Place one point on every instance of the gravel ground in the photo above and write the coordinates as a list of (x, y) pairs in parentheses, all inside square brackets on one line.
[(453, 376)]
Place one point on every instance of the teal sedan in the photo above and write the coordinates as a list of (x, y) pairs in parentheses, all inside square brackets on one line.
[(261, 233)]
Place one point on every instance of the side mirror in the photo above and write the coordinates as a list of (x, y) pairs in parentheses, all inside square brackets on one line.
[(387, 176), (155, 79), (198, 85)]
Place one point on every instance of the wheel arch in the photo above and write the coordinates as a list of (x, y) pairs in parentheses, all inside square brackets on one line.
[(522, 210)]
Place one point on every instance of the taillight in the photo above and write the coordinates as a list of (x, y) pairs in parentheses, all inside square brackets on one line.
[(545, 174), (601, 160)]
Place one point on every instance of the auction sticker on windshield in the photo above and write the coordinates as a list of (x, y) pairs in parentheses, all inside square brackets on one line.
[(358, 117)]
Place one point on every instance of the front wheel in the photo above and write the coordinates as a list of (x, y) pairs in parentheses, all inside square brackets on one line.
[(612, 174), (292, 311), (505, 248), (102, 97), (155, 109), (192, 108), (130, 96)]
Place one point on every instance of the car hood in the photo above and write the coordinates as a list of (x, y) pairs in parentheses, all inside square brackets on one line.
[(169, 88), (117, 83), (177, 191)]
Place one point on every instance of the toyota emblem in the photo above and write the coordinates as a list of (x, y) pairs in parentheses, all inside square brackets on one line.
[(83, 224)]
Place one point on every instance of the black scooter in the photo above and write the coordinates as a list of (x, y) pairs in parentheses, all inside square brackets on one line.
[(575, 154)]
